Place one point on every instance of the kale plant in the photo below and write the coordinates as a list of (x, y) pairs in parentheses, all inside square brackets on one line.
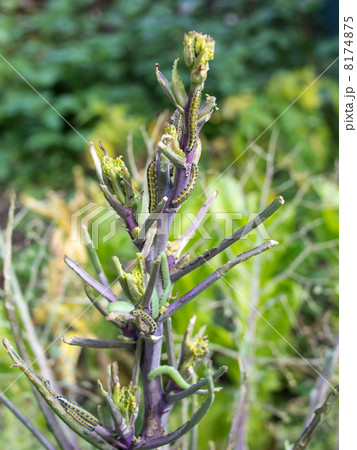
[(136, 416)]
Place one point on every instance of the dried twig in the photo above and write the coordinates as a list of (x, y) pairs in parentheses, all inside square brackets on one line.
[(319, 414)]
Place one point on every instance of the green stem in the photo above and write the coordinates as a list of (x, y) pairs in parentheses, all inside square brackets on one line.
[(93, 256), (150, 289), (170, 348), (197, 386)]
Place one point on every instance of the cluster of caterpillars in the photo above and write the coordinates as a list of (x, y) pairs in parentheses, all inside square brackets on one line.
[(153, 186), (152, 175)]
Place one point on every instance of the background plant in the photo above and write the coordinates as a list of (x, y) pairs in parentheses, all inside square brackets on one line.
[(80, 57)]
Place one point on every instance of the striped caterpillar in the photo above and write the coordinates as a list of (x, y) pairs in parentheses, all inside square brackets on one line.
[(189, 188), (79, 414), (192, 121), (47, 385), (78, 418), (145, 316), (152, 185), (178, 124)]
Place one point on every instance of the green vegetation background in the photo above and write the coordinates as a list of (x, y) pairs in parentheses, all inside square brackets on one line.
[(94, 62)]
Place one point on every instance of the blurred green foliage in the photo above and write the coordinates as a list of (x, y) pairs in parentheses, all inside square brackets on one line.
[(94, 62), (87, 56)]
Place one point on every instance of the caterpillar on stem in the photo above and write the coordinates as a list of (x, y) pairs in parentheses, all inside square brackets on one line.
[(152, 185), (178, 124), (147, 318), (47, 385), (80, 420), (189, 188), (79, 414), (192, 121)]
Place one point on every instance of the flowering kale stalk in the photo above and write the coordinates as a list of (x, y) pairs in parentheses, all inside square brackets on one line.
[(138, 413)]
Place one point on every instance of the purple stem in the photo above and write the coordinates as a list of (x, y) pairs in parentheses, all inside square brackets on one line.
[(156, 408), (237, 432), (125, 213), (153, 394)]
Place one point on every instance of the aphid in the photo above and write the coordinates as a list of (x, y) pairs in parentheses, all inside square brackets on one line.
[(145, 316), (189, 188), (152, 184), (192, 121), (79, 414)]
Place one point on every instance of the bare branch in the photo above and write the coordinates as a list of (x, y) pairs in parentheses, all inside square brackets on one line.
[(183, 240), (103, 291), (93, 255), (319, 414), (98, 343), (190, 295), (227, 242), (197, 386)]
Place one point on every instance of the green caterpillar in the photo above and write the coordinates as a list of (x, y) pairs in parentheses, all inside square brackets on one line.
[(145, 316), (79, 414), (189, 188)]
